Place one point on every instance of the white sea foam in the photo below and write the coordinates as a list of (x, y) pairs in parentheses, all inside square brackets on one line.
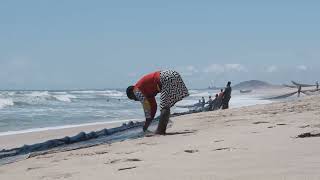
[(110, 93), (241, 101), (113, 93), (201, 94), (11, 93), (39, 94), (6, 102), (43, 96), (64, 98), (87, 92), (39, 106), (193, 91)]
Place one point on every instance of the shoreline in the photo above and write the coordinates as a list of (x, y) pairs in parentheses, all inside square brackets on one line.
[(14, 139), (254, 99), (241, 143), (26, 138), (32, 130)]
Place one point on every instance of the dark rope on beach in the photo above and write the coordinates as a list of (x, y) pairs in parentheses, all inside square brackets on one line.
[(44, 147), (282, 96)]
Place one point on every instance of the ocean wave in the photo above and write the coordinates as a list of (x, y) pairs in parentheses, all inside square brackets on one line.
[(65, 97), (109, 93), (193, 91), (39, 94), (5, 103), (87, 92), (34, 98), (113, 93), (7, 93), (202, 94)]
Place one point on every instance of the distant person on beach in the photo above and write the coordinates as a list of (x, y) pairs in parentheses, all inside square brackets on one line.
[(226, 96), (203, 102), (317, 85), (221, 93), (299, 91), (172, 88), (219, 100), (210, 104), (215, 103)]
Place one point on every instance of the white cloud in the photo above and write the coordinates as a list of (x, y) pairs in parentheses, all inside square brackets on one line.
[(221, 68), (235, 67), (187, 70), (302, 67), (214, 68), (271, 69)]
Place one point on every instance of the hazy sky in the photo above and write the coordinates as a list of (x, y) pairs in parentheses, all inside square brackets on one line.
[(67, 44)]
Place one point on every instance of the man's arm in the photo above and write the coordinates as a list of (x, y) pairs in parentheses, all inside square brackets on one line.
[(150, 109), (146, 108)]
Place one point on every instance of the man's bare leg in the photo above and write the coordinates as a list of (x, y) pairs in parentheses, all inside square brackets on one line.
[(163, 122)]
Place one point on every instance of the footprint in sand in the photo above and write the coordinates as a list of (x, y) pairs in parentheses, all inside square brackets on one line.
[(113, 161), (132, 160), (146, 143), (221, 149), (127, 168), (89, 154), (44, 157), (305, 126), (218, 141), (260, 122), (59, 160), (282, 124), (191, 150), (228, 149), (130, 152), (123, 160), (58, 176), (34, 168)]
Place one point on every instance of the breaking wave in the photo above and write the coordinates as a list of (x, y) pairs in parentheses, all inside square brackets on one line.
[(64, 98), (33, 98), (6, 103), (109, 93)]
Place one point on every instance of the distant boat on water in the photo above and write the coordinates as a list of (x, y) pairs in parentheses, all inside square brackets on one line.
[(245, 91)]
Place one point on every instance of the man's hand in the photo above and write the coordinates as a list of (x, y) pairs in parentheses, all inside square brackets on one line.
[(146, 124)]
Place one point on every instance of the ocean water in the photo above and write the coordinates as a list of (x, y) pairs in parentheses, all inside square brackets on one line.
[(27, 111)]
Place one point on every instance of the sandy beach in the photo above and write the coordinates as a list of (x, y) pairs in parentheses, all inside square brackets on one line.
[(159, 90), (256, 142)]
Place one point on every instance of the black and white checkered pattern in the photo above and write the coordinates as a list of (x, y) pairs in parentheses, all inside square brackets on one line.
[(173, 88), (139, 95)]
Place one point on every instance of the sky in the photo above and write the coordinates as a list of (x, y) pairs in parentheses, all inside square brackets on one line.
[(77, 44)]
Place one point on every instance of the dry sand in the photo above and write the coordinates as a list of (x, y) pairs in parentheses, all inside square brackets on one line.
[(257, 142)]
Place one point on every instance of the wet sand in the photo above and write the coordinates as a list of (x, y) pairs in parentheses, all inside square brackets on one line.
[(17, 140)]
